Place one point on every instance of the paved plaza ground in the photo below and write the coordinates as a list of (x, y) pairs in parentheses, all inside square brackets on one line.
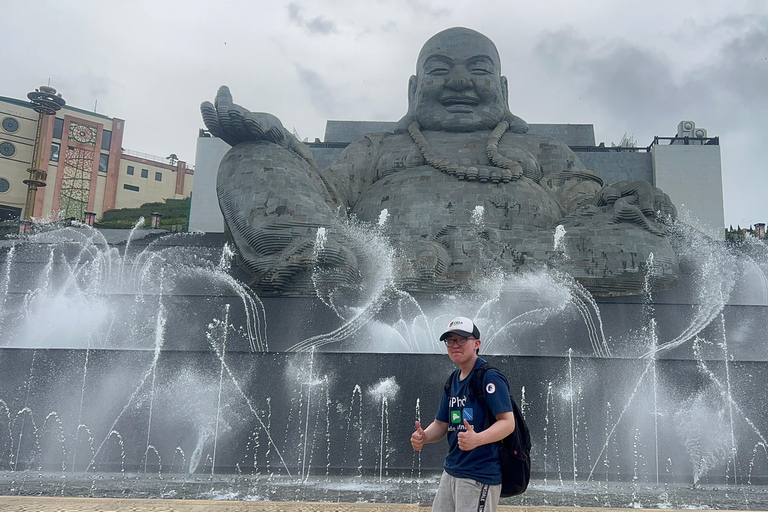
[(38, 504), (27, 491)]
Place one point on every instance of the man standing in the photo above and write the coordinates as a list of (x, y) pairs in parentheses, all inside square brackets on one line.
[(471, 480)]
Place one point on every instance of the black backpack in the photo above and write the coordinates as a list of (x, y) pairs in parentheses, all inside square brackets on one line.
[(515, 449)]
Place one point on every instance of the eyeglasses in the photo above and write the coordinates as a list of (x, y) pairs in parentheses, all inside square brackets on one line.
[(457, 341)]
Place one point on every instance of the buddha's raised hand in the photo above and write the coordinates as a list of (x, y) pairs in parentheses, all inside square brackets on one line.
[(234, 124)]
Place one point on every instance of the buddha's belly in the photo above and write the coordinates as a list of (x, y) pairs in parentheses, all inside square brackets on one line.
[(421, 201)]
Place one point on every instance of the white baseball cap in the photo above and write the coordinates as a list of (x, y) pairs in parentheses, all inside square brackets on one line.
[(462, 326)]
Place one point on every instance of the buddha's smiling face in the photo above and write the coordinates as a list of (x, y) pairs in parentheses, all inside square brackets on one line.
[(458, 84)]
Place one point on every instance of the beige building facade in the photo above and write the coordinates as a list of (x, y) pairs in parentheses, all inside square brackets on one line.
[(148, 179), (87, 168)]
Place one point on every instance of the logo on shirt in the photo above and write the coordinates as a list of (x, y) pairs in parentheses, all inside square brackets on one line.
[(456, 416), (490, 388), (467, 414)]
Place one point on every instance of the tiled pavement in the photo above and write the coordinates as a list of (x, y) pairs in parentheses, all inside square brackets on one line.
[(47, 504)]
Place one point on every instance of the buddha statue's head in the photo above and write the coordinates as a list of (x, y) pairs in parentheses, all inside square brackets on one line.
[(458, 85)]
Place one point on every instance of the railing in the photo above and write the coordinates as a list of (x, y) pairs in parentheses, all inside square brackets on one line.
[(657, 141), (153, 158), (610, 149), (692, 141), (146, 156), (687, 141), (333, 145)]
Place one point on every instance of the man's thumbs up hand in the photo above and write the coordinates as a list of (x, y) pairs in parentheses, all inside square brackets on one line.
[(418, 438), (468, 438)]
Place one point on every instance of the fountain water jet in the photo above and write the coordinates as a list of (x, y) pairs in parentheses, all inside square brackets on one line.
[(526, 321)]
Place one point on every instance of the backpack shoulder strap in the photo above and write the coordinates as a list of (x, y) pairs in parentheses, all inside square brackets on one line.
[(476, 386), (479, 390), (447, 386)]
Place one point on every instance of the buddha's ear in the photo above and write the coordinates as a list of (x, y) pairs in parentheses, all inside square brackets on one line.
[(516, 125), (412, 82), (505, 91), (409, 117)]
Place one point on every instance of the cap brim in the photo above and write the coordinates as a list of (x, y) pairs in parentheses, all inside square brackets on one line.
[(464, 334)]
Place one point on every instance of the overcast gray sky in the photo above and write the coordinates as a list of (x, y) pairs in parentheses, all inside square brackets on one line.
[(627, 67)]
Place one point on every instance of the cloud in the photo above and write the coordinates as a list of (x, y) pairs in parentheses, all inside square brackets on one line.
[(633, 82), (321, 25), (294, 13), (84, 90), (625, 80), (560, 46), (714, 74), (322, 96), (389, 27), (425, 8), (742, 66), (317, 25), (638, 82)]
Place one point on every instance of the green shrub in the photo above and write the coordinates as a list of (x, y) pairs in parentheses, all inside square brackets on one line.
[(174, 213)]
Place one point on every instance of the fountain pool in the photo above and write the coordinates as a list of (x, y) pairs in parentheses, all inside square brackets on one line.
[(145, 368)]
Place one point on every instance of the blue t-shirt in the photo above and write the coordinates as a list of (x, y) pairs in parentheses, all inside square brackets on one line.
[(482, 463)]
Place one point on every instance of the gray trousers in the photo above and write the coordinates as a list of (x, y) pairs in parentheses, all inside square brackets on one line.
[(465, 495)]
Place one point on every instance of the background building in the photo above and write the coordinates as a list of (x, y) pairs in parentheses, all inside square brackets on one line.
[(88, 170), (204, 213), (686, 166)]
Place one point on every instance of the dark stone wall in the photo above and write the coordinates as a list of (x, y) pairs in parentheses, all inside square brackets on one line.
[(276, 412), (571, 134), (610, 164), (352, 131), (613, 166)]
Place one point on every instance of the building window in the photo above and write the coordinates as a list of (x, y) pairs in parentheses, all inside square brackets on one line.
[(10, 125), (58, 128), (130, 170), (131, 187), (55, 150), (145, 173), (9, 213), (5, 185), (158, 176), (103, 163), (7, 149), (106, 139)]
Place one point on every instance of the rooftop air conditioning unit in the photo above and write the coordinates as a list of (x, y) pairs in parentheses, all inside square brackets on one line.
[(699, 133), (686, 128)]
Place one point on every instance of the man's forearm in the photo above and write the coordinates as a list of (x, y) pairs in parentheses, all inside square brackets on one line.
[(496, 432), (435, 432)]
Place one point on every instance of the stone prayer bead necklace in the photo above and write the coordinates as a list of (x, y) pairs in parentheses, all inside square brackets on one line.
[(506, 169)]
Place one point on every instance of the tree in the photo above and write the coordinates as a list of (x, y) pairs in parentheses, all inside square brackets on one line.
[(172, 158)]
